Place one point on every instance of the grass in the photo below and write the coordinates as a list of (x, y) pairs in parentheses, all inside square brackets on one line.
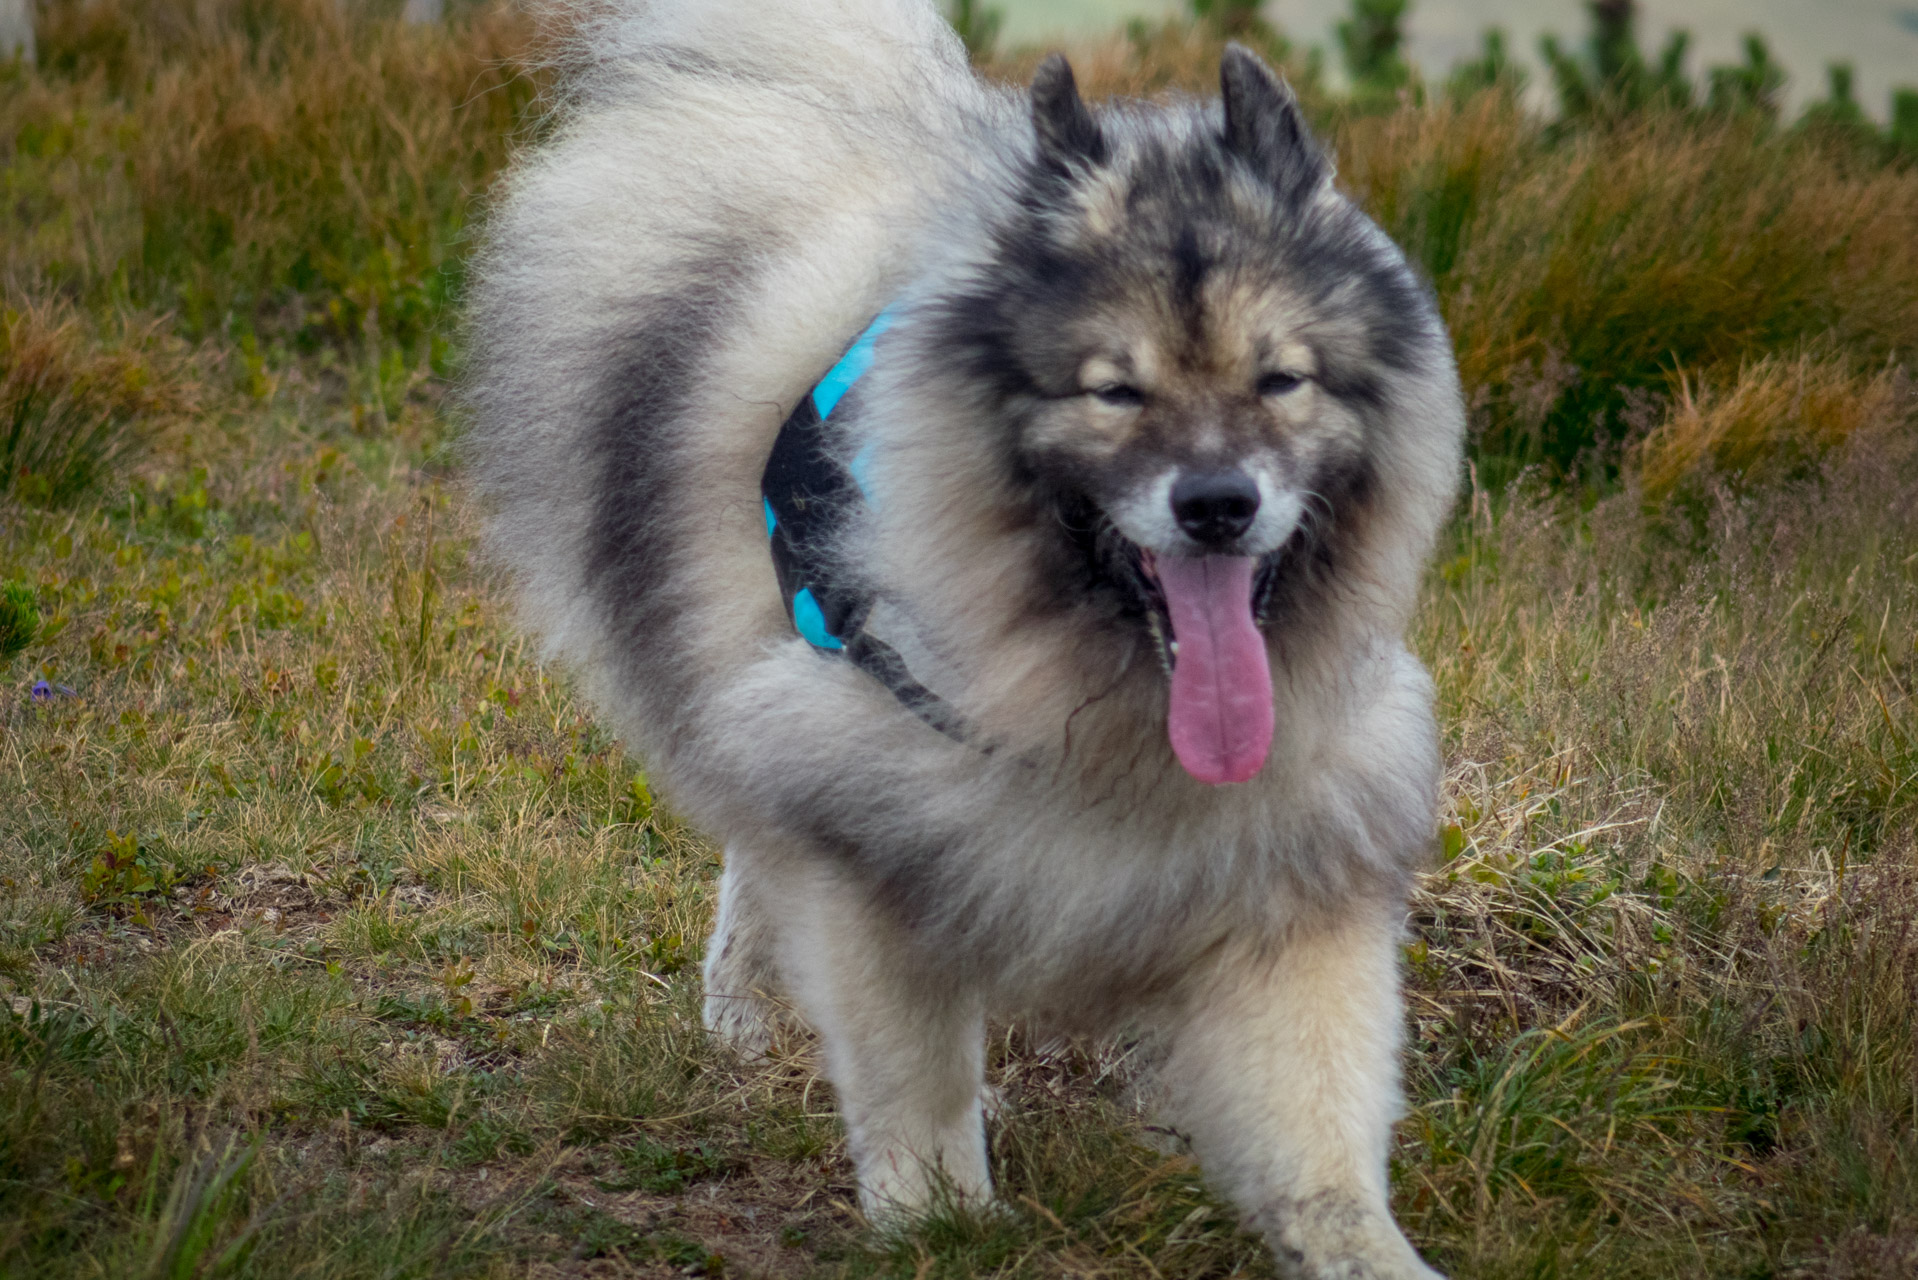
[(338, 940), (281, 177), (1666, 965)]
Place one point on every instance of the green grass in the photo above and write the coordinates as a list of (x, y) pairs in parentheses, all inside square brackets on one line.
[(337, 939)]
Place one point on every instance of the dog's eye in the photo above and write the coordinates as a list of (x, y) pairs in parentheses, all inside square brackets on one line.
[(1119, 394), (1278, 384)]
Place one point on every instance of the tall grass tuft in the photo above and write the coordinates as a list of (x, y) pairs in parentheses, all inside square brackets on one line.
[(19, 620), (73, 408), (1579, 274), (1773, 419), (1372, 41)]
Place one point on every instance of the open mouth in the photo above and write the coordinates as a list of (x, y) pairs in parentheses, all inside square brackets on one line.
[(1205, 613)]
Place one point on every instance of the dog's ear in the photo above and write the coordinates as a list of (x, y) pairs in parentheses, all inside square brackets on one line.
[(1265, 128), (1068, 135)]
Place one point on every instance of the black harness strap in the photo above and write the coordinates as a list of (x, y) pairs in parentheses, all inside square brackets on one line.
[(807, 494)]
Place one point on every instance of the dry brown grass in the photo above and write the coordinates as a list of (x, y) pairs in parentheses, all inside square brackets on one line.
[(1778, 415), (1573, 272), (1666, 968), (287, 167), (75, 405)]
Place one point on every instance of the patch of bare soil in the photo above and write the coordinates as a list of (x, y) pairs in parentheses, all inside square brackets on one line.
[(764, 1218), (291, 905), (1864, 1254)]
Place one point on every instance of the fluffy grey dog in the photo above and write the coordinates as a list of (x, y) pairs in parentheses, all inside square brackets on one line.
[(1088, 702)]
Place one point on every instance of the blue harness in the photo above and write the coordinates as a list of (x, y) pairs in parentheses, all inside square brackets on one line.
[(806, 493)]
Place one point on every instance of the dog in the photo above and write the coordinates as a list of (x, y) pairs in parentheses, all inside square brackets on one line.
[(996, 519)]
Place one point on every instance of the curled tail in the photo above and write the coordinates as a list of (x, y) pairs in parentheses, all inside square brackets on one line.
[(732, 189), (848, 53)]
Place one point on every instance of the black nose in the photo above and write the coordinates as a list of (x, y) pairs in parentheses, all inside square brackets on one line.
[(1214, 507)]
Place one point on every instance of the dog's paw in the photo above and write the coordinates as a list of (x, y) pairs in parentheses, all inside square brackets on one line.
[(1328, 1237), (749, 1025), (905, 1197), (1399, 1262)]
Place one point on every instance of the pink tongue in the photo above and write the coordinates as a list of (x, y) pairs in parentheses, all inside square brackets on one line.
[(1221, 716)]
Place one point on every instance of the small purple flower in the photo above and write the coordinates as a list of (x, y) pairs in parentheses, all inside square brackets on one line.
[(44, 692)]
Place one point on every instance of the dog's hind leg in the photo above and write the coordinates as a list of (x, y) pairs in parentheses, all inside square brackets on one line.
[(1284, 1069), (905, 1052), (741, 973)]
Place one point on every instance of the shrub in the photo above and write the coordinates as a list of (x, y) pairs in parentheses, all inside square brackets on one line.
[(1492, 69), (977, 24), (1613, 77), (1231, 17), (1373, 41), (1753, 85), (1903, 133), (1837, 120)]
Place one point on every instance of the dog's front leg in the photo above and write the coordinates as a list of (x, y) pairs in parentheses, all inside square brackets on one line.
[(740, 964), (1284, 1070), (905, 1051)]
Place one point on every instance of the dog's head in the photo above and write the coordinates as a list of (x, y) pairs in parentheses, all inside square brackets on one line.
[(1188, 333)]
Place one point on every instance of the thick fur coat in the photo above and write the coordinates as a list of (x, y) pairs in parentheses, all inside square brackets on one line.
[(1092, 308)]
